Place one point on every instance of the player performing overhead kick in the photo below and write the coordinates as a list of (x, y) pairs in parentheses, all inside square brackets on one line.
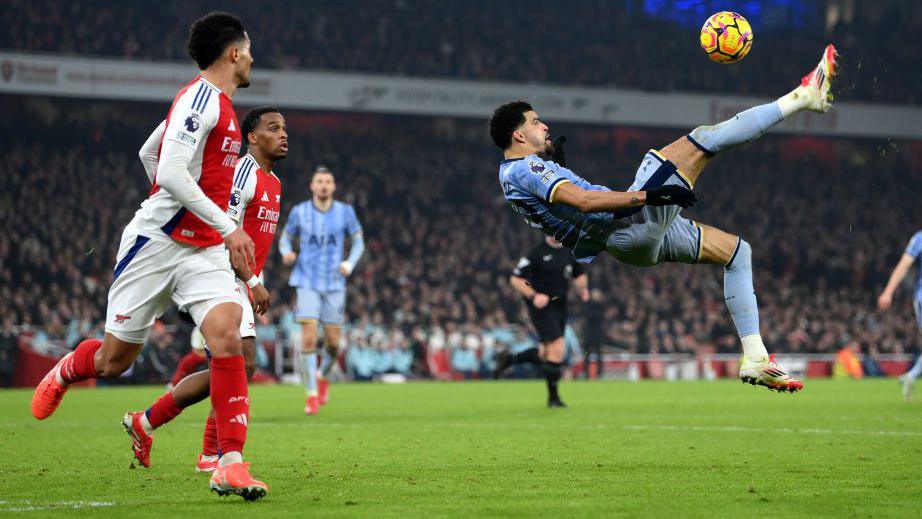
[(175, 250), (643, 226)]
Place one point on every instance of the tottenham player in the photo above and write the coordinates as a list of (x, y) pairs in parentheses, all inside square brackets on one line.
[(542, 279), (910, 257), (254, 205), (643, 226), (175, 250), (320, 226)]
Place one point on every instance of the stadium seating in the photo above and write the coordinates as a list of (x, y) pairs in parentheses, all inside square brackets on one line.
[(441, 243), (412, 37)]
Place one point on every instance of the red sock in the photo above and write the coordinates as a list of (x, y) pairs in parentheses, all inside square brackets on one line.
[(230, 401), (163, 410), (187, 365), (210, 438), (80, 365)]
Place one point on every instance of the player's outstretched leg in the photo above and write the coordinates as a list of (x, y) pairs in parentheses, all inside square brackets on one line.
[(93, 358), (812, 94), (192, 389), (505, 360), (735, 254), (140, 425)]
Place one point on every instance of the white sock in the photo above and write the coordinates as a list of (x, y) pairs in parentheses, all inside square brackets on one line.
[(916, 369), (795, 101), (229, 458), (309, 372), (145, 424), (753, 348)]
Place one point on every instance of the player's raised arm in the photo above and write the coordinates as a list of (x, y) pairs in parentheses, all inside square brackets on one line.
[(150, 151), (598, 201)]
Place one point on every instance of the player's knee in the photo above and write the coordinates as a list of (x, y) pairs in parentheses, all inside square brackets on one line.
[(225, 343), (309, 344), (332, 347), (702, 136), (742, 257)]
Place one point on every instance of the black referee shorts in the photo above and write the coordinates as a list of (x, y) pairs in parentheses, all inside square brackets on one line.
[(549, 321)]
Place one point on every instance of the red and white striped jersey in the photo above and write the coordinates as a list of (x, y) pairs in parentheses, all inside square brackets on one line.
[(255, 202), (201, 119)]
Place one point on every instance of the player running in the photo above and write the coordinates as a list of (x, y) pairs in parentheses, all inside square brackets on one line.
[(321, 226), (254, 204), (175, 249), (643, 226), (910, 256)]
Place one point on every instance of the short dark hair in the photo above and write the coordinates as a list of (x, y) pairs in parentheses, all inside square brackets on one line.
[(211, 34), (505, 120), (251, 120), (322, 169)]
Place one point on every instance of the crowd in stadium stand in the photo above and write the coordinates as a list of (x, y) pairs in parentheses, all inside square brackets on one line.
[(440, 242), (589, 43)]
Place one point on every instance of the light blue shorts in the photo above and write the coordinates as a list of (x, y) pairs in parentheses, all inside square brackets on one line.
[(656, 234), (326, 307)]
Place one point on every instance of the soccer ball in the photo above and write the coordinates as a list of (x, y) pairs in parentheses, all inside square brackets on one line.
[(726, 37)]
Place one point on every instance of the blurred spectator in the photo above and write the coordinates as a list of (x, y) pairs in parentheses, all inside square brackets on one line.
[(821, 215), (595, 43), (9, 352)]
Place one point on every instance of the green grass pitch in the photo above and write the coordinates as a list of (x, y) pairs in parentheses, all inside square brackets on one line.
[(686, 449)]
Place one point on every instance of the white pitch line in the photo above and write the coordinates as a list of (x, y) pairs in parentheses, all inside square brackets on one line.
[(732, 428), (629, 427), (27, 506)]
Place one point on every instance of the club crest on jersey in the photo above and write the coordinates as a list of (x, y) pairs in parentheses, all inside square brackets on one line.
[(193, 122), (536, 167)]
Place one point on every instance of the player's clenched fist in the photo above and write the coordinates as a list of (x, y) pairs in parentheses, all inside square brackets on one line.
[(241, 249)]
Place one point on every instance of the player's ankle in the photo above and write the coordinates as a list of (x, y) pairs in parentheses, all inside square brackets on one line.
[(145, 423), (794, 101), (229, 458)]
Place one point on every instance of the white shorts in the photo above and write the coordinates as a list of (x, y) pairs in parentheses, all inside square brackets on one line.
[(247, 323), (153, 274)]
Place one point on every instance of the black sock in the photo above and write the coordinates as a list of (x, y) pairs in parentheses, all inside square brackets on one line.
[(553, 371), (529, 356)]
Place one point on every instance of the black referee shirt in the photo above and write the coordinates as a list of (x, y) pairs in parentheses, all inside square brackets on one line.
[(549, 270)]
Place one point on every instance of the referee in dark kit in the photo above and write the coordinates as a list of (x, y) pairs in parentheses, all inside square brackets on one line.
[(542, 278)]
